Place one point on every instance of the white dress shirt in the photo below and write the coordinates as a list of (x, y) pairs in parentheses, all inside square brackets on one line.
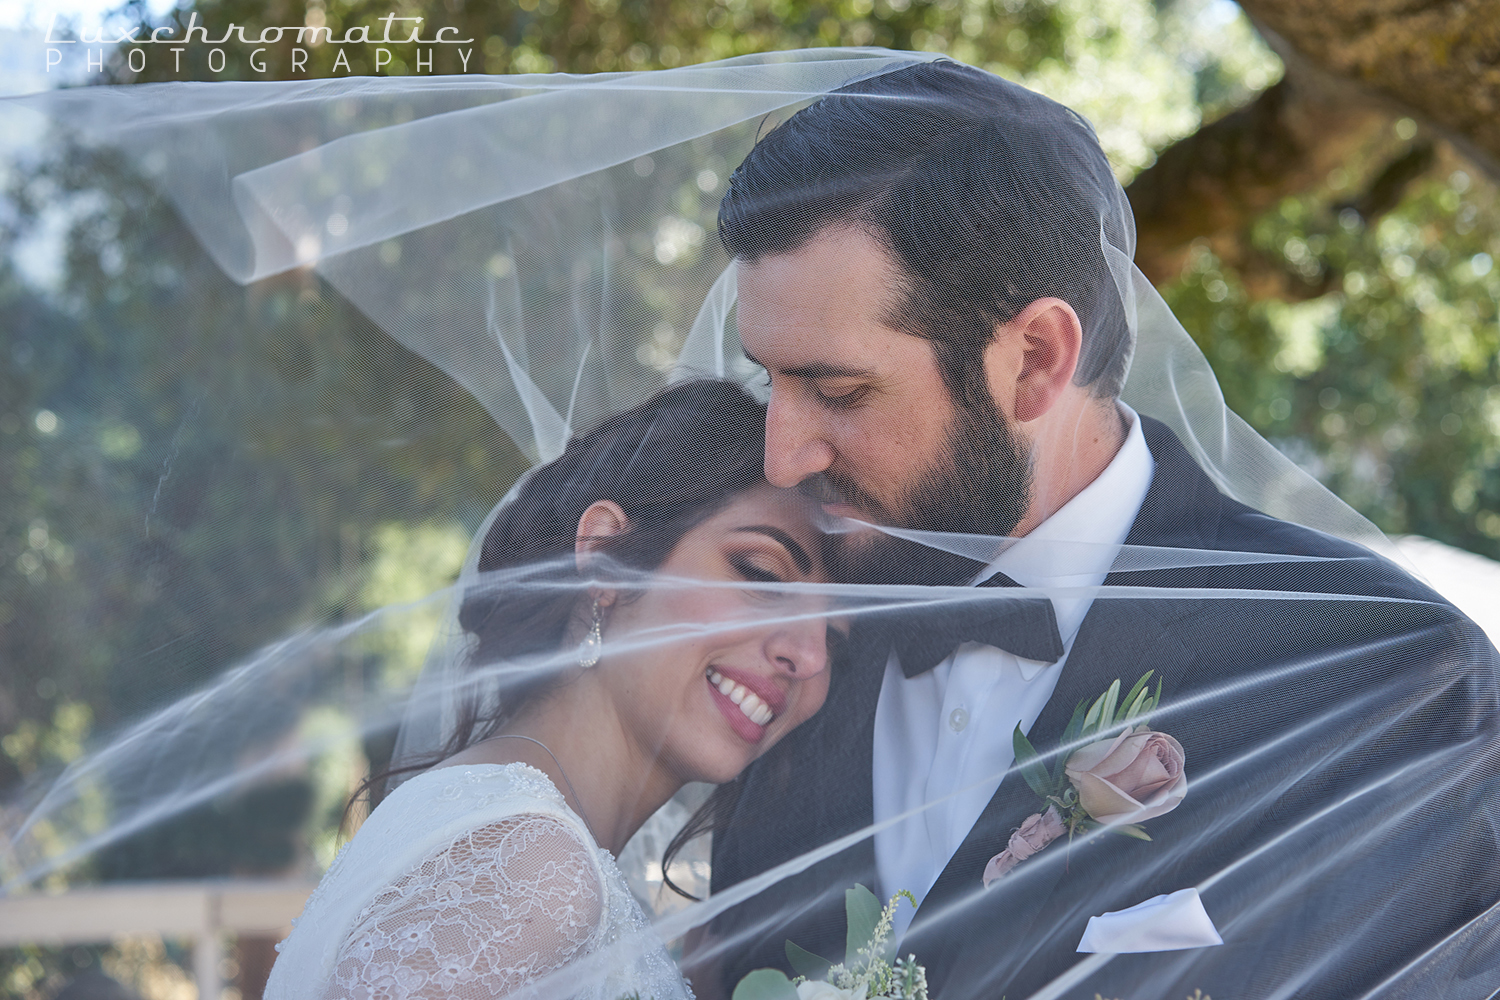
[(945, 737)]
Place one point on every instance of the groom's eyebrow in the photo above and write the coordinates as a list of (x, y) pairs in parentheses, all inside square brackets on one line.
[(798, 553), (818, 369)]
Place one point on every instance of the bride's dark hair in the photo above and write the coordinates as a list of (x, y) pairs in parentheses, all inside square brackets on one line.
[(670, 463)]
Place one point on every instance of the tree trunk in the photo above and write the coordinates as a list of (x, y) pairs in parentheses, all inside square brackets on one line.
[(1215, 182), (1440, 60), (1352, 66)]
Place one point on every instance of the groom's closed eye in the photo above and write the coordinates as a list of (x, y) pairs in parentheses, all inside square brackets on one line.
[(840, 394), (830, 380)]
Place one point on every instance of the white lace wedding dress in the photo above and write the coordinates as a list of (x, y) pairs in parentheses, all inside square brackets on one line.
[(473, 882)]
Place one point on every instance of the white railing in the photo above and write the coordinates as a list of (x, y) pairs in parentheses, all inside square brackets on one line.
[(203, 911)]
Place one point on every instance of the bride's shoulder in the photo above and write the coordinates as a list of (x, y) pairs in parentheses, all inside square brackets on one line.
[(473, 789), (456, 861), (452, 819), (484, 782)]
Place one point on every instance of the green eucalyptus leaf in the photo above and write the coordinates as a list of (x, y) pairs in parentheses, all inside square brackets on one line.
[(1032, 768), (765, 984), (1075, 724), (1132, 699), (805, 963), (1132, 830), (863, 911), (1091, 720), (1107, 710)]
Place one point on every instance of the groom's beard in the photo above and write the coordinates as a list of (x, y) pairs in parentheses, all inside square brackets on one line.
[(979, 484)]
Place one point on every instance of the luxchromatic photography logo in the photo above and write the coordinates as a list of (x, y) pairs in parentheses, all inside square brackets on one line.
[(168, 51)]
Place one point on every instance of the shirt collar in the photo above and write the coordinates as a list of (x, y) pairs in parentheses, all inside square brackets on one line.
[(1076, 546)]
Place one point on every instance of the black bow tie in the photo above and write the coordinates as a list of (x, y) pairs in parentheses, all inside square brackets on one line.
[(924, 636)]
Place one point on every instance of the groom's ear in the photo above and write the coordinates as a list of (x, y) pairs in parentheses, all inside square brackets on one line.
[(603, 520), (1031, 361)]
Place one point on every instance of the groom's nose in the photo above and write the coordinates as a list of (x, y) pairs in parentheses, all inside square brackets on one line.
[(795, 444)]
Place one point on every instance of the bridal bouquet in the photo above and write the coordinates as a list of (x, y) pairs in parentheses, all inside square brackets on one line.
[(870, 968), (1129, 773)]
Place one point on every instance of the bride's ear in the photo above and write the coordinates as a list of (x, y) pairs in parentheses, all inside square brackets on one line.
[(603, 520)]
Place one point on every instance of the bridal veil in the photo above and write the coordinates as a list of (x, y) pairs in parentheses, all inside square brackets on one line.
[(549, 243)]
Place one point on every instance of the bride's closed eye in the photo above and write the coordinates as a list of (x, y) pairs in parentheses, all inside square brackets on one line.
[(757, 568), (776, 558)]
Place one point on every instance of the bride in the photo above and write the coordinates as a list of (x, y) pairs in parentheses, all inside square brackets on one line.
[(495, 867)]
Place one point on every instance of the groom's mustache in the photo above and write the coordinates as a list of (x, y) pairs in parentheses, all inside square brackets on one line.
[(834, 488), (818, 487)]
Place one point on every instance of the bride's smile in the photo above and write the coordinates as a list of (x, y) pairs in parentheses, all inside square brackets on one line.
[(683, 638), (747, 664), (749, 697)]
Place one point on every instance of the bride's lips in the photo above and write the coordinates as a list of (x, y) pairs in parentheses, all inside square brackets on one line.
[(748, 701)]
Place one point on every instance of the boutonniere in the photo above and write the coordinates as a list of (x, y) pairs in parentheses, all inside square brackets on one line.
[(1128, 774)]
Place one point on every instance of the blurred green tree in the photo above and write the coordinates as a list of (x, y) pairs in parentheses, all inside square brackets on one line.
[(1332, 254), (176, 396)]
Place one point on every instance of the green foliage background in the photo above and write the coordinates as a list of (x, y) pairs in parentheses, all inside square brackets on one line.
[(147, 402)]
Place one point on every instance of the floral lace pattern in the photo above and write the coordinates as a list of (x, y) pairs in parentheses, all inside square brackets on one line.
[(515, 895), (501, 907)]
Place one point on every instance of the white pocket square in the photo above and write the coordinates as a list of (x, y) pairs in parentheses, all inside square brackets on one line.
[(1161, 923)]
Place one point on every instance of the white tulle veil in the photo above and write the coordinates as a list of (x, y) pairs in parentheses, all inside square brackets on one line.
[(548, 242)]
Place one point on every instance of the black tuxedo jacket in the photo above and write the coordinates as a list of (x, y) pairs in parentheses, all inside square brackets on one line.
[(1342, 821)]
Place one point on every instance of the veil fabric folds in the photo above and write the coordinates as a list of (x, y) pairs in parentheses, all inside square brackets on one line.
[(549, 242), (535, 180)]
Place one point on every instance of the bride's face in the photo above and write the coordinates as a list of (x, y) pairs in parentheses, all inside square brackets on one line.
[(707, 678)]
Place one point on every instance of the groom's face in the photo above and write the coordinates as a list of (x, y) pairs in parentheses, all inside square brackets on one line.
[(860, 414)]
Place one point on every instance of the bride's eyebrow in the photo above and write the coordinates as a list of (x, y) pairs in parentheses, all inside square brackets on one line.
[(798, 553)]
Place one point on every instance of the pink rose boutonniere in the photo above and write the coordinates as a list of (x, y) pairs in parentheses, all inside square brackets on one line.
[(1129, 774)]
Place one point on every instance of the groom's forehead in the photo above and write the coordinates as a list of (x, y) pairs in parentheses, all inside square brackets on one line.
[(833, 293)]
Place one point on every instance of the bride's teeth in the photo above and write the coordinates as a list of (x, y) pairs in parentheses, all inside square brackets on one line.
[(756, 710), (750, 704)]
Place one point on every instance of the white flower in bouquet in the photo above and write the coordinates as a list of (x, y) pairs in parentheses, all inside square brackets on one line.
[(870, 970), (816, 989)]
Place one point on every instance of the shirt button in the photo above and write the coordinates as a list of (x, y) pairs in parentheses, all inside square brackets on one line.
[(958, 720)]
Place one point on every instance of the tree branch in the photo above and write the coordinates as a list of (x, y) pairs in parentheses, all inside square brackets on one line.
[(1215, 182), (1440, 59), (1352, 65)]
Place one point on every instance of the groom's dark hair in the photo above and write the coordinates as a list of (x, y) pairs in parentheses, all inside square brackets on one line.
[(987, 196)]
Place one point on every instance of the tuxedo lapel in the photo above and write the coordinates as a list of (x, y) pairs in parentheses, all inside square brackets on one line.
[(1119, 639)]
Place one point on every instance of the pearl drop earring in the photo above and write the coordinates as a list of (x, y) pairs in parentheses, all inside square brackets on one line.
[(592, 646)]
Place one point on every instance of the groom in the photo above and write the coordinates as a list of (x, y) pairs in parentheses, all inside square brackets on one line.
[(922, 276)]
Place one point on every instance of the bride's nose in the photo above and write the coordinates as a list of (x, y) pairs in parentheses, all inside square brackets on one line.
[(799, 649)]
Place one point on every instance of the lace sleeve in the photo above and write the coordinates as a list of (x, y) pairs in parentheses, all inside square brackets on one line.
[(501, 906)]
